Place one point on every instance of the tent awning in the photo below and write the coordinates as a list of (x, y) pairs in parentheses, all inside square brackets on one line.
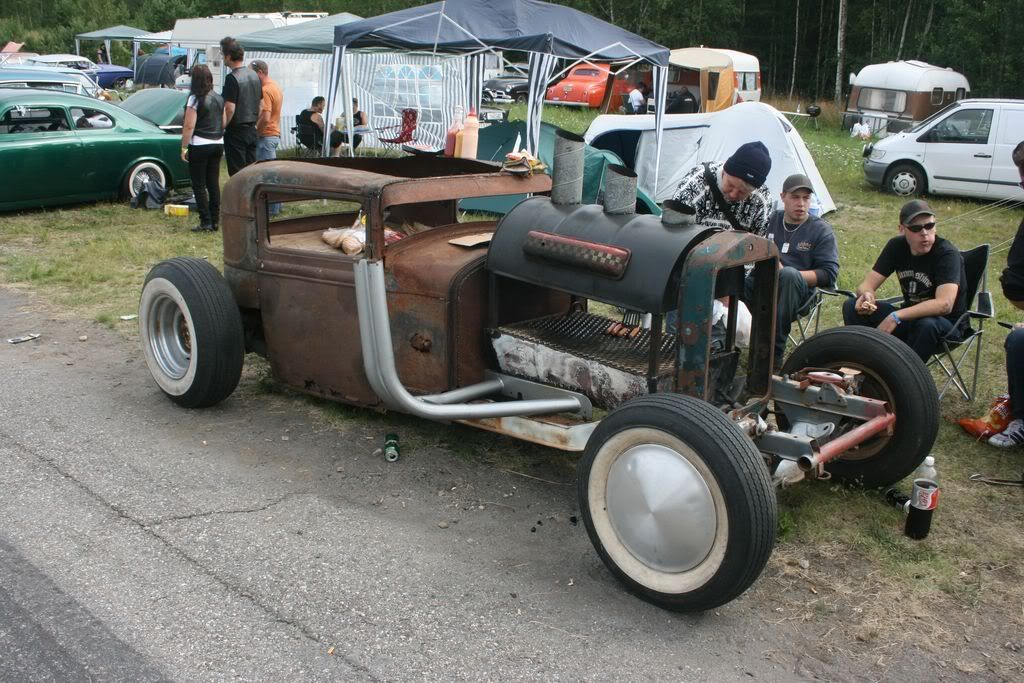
[(309, 37), (112, 33), (526, 25)]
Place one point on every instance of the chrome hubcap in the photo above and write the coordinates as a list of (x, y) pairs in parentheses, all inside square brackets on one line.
[(904, 183), (169, 337), (661, 508)]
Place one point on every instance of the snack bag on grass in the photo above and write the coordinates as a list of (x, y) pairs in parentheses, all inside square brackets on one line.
[(992, 422)]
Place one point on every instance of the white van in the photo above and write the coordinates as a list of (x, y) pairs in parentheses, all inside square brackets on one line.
[(747, 71), (962, 150)]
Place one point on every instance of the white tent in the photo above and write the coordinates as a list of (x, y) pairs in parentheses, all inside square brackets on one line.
[(691, 139)]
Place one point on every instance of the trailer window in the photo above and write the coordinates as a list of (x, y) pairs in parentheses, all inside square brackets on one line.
[(936, 96), (894, 101)]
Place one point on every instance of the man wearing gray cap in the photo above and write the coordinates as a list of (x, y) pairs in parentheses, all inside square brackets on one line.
[(931, 274), (808, 256)]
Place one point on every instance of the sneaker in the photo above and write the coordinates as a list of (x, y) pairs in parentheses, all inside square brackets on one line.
[(203, 227), (1012, 436)]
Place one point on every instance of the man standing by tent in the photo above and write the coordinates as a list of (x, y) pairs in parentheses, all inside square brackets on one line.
[(731, 193), (268, 126), (243, 95)]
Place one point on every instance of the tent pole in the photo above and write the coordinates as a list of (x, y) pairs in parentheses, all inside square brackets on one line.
[(332, 95), (660, 97), (347, 101)]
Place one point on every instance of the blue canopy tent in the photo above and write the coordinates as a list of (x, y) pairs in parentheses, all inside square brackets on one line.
[(545, 31)]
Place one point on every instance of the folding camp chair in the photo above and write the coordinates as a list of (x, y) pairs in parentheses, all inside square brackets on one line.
[(957, 345), (808, 318), (401, 134)]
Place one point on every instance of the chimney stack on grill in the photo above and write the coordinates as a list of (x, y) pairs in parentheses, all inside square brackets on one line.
[(675, 214), (619, 190), (567, 174)]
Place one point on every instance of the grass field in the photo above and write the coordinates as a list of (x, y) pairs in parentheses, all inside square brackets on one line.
[(90, 261)]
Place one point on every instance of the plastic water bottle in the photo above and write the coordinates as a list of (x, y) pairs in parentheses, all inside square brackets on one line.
[(924, 498), (926, 470)]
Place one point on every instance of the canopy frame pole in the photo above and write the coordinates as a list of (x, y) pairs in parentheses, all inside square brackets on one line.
[(332, 94)]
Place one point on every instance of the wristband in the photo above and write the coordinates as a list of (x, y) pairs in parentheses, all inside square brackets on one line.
[(895, 317)]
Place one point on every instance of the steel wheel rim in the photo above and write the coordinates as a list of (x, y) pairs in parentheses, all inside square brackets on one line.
[(169, 337), (140, 178), (651, 489), (620, 556), (904, 183)]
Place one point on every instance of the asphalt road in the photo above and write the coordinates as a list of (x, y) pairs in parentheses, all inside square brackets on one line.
[(254, 541)]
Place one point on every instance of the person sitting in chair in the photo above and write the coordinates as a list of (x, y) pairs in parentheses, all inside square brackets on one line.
[(808, 257), (310, 127), (931, 274)]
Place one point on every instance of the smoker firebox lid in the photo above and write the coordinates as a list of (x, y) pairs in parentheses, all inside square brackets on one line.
[(650, 279)]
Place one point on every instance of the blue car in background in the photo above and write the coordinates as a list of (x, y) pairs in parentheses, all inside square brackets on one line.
[(107, 75)]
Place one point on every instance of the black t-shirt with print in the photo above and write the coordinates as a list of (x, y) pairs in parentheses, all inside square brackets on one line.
[(920, 276)]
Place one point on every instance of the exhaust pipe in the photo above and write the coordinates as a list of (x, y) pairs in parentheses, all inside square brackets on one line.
[(567, 174), (619, 190)]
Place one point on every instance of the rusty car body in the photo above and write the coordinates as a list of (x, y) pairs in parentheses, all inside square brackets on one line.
[(490, 323)]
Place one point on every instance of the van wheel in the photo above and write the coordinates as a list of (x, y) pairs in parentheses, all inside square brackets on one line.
[(906, 180), (677, 502), (139, 174)]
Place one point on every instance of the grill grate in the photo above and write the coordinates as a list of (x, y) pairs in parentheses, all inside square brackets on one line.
[(583, 335)]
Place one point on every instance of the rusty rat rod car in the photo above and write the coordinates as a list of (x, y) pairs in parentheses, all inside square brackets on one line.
[(490, 324)]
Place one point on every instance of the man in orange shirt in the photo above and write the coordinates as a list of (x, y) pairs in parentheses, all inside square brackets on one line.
[(268, 126)]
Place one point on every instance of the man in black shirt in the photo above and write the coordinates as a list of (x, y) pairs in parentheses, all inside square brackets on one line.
[(243, 95), (931, 274), (808, 256)]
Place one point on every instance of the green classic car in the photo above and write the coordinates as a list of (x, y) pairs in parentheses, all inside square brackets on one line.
[(61, 148)]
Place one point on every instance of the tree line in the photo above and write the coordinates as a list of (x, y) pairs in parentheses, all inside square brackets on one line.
[(805, 46)]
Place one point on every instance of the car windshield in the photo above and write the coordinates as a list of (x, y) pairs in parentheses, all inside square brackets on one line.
[(931, 119)]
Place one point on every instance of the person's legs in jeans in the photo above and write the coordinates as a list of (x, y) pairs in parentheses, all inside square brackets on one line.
[(266, 149), (213, 182), (924, 335), (197, 171), (852, 317), (1013, 435), (234, 149), (793, 295)]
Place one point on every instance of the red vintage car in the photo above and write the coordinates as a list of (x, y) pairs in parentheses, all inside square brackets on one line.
[(585, 86)]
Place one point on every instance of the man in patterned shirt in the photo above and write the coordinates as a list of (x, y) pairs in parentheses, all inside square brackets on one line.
[(731, 194)]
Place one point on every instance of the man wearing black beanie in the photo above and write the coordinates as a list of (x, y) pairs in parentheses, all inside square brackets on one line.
[(732, 193)]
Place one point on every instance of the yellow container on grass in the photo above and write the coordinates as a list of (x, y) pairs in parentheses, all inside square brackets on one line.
[(176, 209)]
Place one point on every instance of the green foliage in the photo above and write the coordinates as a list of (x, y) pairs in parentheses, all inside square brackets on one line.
[(976, 38)]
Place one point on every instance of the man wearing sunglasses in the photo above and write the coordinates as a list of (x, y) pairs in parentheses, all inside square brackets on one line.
[(931, 275)]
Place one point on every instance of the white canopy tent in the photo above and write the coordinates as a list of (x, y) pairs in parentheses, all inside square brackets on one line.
[(546, 32), (691, 139)]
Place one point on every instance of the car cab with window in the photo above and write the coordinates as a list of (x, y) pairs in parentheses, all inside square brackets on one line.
[(962, 150)]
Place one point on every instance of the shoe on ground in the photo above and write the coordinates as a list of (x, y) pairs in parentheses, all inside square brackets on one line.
[(1012, 436), (203, 227)]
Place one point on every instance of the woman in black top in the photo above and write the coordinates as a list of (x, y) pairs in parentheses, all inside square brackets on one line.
[(202, 145)]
